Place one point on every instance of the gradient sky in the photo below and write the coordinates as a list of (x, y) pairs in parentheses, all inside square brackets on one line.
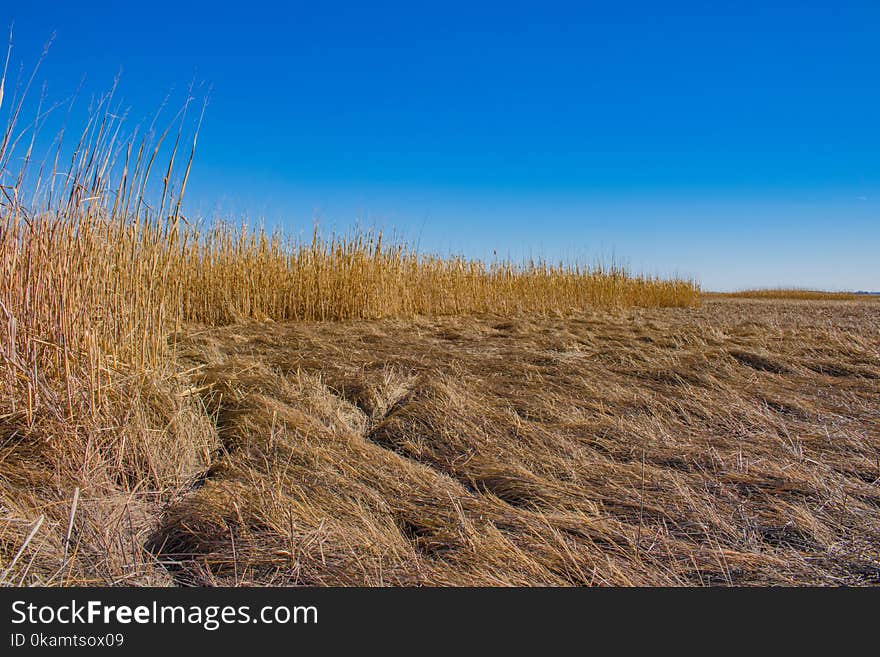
[(736, 142)]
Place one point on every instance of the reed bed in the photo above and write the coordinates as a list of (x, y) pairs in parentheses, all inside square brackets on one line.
[(491, 424), (95, 273), (100, 286), (98, 261), (794, 294), (100, 267)]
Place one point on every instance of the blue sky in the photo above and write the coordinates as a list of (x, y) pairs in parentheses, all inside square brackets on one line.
[(736, 142)]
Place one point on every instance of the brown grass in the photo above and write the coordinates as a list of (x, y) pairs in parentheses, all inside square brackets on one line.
[(99, 428), (186, 403), (792, 294), (738, 443)]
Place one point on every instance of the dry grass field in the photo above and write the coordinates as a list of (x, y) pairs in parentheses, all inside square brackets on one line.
[(737, 442), (199, 404), (791, 294), (731, 444)]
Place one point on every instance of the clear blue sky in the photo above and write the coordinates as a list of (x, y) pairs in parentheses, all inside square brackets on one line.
[(737, 142)]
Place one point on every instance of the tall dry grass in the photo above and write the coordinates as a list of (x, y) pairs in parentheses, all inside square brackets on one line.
[(95, 285), (795, 294), (95, 272), (99, 266)]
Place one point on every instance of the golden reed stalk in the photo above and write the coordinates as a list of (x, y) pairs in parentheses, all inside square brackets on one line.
[(94, 277)]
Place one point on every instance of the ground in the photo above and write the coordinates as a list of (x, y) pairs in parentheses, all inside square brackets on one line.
[(734, 443)]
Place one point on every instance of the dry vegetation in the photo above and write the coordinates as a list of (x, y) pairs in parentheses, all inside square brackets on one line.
[(212, 405), (794, 294), (99, 266), (735, 443)]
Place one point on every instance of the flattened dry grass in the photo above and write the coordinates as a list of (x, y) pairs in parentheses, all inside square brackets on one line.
[(736, 443), (645, 447)]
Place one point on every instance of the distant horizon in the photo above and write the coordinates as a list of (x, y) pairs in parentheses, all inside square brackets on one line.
[(735, 146)]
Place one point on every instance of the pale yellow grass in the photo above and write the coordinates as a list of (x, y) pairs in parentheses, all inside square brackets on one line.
[(793, 294), (100, 428)]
